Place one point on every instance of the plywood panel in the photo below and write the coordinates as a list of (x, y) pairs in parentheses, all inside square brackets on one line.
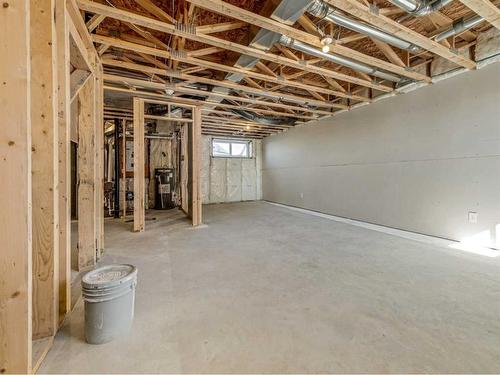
[(15, 190)]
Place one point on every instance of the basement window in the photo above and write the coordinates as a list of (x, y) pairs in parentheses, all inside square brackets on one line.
[(230, 148)]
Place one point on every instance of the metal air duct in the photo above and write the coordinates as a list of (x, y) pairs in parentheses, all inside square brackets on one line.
[(458, 27), (355, 65), (321, 10), (420, 8)]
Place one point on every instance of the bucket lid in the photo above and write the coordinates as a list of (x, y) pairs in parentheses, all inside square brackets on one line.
[(107, 276)]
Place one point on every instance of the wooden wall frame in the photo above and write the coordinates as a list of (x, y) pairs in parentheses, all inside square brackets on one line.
[(35, 293), (15, 197), (193, 196)]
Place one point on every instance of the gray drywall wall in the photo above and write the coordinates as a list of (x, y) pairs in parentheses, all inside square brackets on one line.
[(230, 179), (419, 161)]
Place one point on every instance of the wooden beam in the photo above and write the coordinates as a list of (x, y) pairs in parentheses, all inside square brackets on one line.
[(209, 65), (263, 68), (308, 25), (94, 22), (102, 48), (218, 42), (156, 11), (388, 52), (79, 53), (15, 196), (388, 25), (79, 30), (204, 51), (86, 177), (139, 207), (219, 27), (123, 190), (44, 169), (485, 9), (64, 138), (77, 80), (195, 167), (132, 82), (99, 176), (148, 36), (224, 8), (227, 84)]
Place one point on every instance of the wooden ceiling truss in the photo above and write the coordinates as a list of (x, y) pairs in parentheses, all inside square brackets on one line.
[(154, 51)]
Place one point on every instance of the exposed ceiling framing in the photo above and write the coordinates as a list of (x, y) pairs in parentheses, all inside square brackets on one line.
[(202, 52)]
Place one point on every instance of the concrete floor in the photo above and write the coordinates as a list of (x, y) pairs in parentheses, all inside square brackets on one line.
[(265, 289)]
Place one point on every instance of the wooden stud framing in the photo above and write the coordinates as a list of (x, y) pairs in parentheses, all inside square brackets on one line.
[(64, 134), (99, 126), (189, 169), (15, 199), (195, 167), (45, 182), (123, 154), (139, 189), (86, 177)]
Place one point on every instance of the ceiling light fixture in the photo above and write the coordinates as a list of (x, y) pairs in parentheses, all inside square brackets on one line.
[(326, 41)]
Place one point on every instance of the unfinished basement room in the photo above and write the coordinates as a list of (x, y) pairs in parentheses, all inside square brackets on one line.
[(249, 186)]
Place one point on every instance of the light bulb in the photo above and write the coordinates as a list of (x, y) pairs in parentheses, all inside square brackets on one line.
[(325, 48), (327, 39), (248, 127)]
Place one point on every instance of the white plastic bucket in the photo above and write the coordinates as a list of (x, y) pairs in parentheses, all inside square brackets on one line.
[(109, 293)]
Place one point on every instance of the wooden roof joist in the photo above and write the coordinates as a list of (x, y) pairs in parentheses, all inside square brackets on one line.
[(230, 134), (224, 8), (232, 127), (485, 9), (132, 83), (234, 86), (213, 119), (149, 51), (126, 16), (253, 126), (386, 24)]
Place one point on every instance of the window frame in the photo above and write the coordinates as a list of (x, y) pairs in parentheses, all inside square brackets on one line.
[(248, 142)]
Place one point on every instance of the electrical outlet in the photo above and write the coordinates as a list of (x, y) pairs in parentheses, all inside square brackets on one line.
[(301, 195), (472, 217)]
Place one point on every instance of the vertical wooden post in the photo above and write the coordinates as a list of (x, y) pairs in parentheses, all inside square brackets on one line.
[(44, 168), (196, 162), (139, 209), (86, 177), (15, 190), (123, 154), (184, 168), (64, 132), (99, 124)]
